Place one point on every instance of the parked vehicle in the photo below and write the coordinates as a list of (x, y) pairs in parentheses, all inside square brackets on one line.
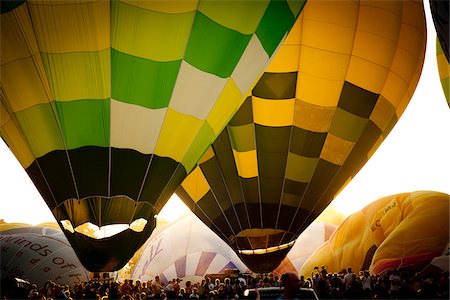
[(275, 292)]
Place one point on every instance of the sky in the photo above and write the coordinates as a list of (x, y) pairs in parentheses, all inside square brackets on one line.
[(415, 156)]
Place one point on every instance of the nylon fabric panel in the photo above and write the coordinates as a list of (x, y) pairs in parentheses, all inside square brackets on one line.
[(347, 126), (201, 142), (276, 86), (244, 17), (306, 143), (196, 91), (357, 101), (246, 69), (244, 115), (196, 185), (71, 27), (84, 122), (40, 129), (128, 172), (226, 104), (143, 82), (90, 167), (131, 34), (274, 113), (313, 117), (56, 185), (135, 127), (336, 150), (208, 42), (277, 18), (16, 75), (162, 173), (78, 75), (242, 137), (177, 133)]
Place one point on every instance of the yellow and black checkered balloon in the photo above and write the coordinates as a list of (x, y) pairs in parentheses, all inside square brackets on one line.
[(332, 93)]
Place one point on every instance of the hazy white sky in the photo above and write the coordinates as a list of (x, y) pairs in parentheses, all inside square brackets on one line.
[(415, 156)]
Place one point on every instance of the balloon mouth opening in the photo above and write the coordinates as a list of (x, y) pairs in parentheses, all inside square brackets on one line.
[(96, 232), (266, 250)]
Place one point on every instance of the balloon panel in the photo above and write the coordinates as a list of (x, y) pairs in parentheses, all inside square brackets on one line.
[(108, 105), (40, 254), (313, 120), (399, 231), (444, 70)]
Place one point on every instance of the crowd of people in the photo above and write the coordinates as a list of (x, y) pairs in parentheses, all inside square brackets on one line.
[(343, 285)]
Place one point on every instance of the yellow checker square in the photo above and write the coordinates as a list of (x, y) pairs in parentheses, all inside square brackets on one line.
[(336, 150), (325, 35), (246, 163), (196, 184), (275, 113), (375, 146), (395, 89), (77, 76), (374, 48), (72, 27), (324, 64), (17, 34), (286, 60), (357, 74), (227, 104), (312, 117), (23, 85), (300, 168), (177, 134), (382, 113), (318, 91), (134, 33)]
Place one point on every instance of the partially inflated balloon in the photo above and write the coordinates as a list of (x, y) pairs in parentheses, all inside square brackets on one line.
[(399, 231), (333, 92), (109, 104)]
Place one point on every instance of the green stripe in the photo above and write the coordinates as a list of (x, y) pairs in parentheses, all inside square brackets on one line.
[(143, 82), (276, 23), (200, 144), (213, 48), (84, 122)]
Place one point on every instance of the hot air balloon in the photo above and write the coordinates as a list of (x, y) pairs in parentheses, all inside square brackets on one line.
[(109, 104), (332, 93), (440, 14), (405, 230), (185, 249), (39, 253)]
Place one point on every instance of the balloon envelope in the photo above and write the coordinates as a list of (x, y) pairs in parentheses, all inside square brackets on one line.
[(399, 231), (109, 104), (332, 93), (39, 254), (185, 249)]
